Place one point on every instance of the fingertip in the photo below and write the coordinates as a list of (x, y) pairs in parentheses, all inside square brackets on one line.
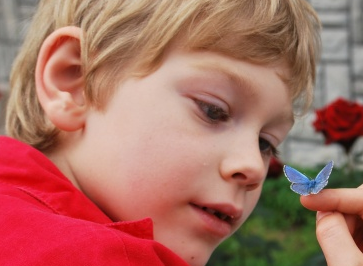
[(318, 201), (307, 201)]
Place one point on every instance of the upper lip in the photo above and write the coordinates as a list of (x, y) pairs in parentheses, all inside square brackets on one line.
[(224, 211)]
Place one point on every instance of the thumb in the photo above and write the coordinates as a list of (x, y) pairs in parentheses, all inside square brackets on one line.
[(336, 241)]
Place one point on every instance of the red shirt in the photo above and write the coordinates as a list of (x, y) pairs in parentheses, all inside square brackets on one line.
[(45, 220)]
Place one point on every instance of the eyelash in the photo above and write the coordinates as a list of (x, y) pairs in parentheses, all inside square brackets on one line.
[(212, 112), (270, 151), (216, 114)]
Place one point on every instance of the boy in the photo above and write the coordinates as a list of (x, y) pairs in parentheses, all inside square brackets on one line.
[(152, 124)]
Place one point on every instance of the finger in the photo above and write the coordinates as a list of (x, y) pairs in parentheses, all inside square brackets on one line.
[(336, 241), (351, 221), (346, 200)]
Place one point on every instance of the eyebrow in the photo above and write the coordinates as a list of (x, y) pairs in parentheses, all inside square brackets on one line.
[(240, 82), (234, 78)]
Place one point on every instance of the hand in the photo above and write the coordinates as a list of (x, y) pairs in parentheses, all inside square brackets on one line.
[(339, 226)]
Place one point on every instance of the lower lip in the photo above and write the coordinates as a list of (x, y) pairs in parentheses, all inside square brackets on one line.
[(213, 224)]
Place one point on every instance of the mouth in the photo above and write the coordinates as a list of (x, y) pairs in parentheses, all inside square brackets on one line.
[(219, 212)]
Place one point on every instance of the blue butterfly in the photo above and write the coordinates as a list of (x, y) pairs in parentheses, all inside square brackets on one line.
[(303, 185)]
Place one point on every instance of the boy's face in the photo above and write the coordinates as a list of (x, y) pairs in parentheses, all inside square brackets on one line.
[(189, 146)]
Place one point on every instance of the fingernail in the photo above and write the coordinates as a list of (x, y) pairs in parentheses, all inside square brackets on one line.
[(320, 215)]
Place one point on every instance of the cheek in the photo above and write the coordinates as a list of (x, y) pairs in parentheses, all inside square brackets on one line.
[(159, 162)]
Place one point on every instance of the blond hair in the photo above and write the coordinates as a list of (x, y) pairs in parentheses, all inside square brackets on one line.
[(118, 33)]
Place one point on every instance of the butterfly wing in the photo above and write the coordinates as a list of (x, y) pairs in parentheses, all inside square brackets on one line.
[(321, 179), (300, 183), (302, 189)]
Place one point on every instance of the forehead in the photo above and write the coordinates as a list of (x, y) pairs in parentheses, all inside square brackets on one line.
[(243, 79), (237, 77)]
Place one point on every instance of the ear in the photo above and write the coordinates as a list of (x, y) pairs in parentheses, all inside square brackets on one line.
[(59, 79)]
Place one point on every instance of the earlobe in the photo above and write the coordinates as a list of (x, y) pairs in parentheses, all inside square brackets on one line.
[(59, 79)]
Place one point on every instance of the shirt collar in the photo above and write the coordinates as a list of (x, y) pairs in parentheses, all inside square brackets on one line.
[(31, 171)]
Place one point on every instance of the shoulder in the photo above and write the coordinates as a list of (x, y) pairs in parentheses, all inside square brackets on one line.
[(45, 220), (44, 237)]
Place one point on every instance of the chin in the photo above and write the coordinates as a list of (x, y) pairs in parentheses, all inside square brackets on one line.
[(195, 256), (196, 250), (197, 260)]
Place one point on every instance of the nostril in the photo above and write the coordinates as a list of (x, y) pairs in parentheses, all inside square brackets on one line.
[(249, 183), (252, 186), (239, 176)]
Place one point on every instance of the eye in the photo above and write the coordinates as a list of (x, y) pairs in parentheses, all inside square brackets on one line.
[(267, 148), (213, 112)]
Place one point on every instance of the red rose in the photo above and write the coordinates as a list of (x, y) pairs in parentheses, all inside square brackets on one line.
[(340, 122), (275, 169)]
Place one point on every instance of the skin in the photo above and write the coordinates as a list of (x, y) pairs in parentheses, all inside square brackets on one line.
[(198, 132), (339, 226)]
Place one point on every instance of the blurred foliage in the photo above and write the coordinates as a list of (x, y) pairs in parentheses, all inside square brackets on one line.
[(280, 231)]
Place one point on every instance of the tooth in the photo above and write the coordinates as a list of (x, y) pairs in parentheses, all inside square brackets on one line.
[(218, 214), (210, 211), (223, 216)]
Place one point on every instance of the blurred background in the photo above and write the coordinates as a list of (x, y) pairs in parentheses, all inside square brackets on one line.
[(280, 232)]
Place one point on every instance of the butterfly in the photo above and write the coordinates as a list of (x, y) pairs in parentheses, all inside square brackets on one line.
[(302, 185)]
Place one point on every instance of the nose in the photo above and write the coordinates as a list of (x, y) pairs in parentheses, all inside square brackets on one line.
[(244, 165)]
